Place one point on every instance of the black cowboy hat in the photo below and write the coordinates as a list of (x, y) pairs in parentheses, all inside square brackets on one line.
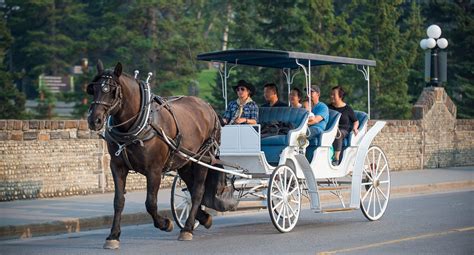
[(243, 83)]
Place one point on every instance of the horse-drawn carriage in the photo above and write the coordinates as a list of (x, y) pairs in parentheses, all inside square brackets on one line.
[(221, 165), (284, 169)]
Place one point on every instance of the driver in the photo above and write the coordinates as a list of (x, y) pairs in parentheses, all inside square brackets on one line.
[(243, 110)]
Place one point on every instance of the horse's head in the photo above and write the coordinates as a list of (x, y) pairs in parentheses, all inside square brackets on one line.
[(106, 89)]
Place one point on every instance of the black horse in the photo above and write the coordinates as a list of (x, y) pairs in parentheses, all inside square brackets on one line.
[(147, 133)]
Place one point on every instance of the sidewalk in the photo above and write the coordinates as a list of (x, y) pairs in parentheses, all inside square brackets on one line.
[(29, 218)]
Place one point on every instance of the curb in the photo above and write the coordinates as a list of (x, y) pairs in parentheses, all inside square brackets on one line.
[(75, 225)]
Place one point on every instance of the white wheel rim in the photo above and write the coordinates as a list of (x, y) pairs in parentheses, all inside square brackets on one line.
[(284, 199), (375, 191), (181, 202)]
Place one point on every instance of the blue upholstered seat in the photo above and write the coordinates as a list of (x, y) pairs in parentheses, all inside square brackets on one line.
[(274, 145), (363, 118)]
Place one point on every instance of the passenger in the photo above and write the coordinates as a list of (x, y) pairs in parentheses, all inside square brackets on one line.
[(243, 110), (295, 98), (305, 104), (270, 92), (319, 114), (348, 120)]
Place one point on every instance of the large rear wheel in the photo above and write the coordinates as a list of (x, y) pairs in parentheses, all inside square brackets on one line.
[(180, 202), (375, 191), (284, 198)]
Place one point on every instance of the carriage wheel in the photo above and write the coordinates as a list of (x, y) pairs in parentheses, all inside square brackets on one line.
[(375, 191), (180, 202), (284, 198)]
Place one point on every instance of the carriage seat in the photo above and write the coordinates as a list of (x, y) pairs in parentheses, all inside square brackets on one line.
[(327, 137), (350, 139), (273, 145)]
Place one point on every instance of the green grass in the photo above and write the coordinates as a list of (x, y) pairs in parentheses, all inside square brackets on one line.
[(206, 78)]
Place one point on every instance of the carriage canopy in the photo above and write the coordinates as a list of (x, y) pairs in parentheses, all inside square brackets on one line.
[(278, 59)]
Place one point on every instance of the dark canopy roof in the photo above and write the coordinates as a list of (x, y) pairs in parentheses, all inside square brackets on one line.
[(278, 59)]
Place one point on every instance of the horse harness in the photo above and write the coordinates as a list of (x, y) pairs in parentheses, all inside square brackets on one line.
[(144, 129)]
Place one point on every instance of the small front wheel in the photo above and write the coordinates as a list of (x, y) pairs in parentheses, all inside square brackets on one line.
[(180, 202), (284, 198), (375, 191)]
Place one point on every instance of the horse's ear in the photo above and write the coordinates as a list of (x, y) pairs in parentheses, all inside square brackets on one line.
[(118, 69), (100, 66)]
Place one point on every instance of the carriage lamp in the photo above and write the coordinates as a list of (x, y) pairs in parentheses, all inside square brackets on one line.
[(435, 44)]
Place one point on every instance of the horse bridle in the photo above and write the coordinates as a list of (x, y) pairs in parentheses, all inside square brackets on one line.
[(107, 82)]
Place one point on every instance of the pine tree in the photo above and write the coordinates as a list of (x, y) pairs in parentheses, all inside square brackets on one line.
[(12, 102)]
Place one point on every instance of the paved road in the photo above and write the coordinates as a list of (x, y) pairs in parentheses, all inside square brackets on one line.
[(428, 224)]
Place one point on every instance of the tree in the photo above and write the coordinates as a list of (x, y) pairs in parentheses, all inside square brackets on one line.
[(12, 102)]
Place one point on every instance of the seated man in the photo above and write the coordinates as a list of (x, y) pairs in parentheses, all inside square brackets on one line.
[(320, 114), (270, 92)]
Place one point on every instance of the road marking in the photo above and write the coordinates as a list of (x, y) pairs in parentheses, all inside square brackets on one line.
[(411, 238)]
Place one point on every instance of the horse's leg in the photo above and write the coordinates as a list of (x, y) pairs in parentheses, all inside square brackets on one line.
[(186, 174), (199, 173), (120, 177), (153, 185)]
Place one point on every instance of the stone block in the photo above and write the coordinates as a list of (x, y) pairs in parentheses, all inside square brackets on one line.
[(3, 124), (54, 124), (30, 135), (55, 135), (83, 125), (26, 125), (10, 124), (64, 135), (70, 124), (3, 136), (16, 136), (43, 137), (47, 124), (34, 124), (83, 134), (61, 124), (17, 125)]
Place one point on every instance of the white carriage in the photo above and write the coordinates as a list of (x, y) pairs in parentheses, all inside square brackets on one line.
[(284, 170)]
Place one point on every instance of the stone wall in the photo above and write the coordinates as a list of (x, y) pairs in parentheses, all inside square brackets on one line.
[(61, 158), (41, 158)]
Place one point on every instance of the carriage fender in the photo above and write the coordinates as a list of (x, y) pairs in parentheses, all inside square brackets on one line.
[(359, 162)]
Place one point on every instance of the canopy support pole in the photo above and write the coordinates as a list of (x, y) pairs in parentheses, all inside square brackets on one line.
[(224, 76), (307, 76), (289, 80), (366, 72)]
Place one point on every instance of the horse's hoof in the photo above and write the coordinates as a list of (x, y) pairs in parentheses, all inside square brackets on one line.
[(112, 244), (208, 222), (185, 236), (170, 226)]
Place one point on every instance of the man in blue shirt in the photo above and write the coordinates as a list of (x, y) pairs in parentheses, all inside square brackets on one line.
[(319, 114)]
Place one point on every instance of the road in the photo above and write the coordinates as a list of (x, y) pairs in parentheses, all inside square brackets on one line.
[(429, 224)]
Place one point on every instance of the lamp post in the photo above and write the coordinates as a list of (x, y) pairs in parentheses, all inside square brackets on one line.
[(434, 43)]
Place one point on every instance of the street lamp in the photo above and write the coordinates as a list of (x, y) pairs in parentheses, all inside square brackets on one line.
[(434, 43)]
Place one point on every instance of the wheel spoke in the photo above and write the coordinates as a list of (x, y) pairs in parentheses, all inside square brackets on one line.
[(181, 196), (378, 199), (277, 196), (184, 202), (367, 193), (383, 194), (284, 181), (278, 205), (367, 174), (183, 213), (289, 183), (293, 212), (370, 200), (284, 216), (278, 187), (383, 182), (367, 183), (292, 191), (382, 170)]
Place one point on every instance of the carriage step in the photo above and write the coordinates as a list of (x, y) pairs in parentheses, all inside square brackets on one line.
[(333, 210), (334, 188)]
